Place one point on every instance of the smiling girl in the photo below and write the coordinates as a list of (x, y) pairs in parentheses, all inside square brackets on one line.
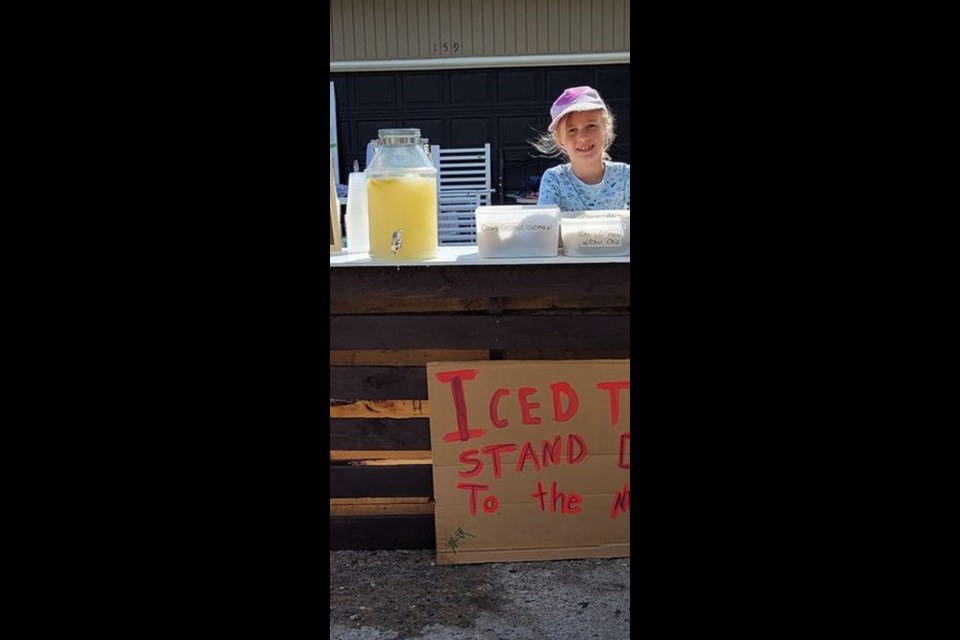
[(582, 130)]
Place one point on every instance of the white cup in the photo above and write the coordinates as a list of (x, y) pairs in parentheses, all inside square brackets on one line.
[(357, 219)]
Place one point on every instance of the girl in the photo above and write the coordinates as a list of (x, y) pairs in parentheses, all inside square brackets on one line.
[(582, 130)]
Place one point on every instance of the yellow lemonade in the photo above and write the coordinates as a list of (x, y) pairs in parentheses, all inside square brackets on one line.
[(403, 217)]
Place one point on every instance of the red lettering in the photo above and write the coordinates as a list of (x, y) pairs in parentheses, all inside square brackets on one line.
[(621, 501), (474, 488), (526, 407), (527, 452), (573, 401), (554, 495), (565, 506), (468, 457), (613, 388), (624, 453), (490, 504), (456, 378), (552, 453), (571, 458), (493, 450), (539, 493), (568, 505), (495, 418)]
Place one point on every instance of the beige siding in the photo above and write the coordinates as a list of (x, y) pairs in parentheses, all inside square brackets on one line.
[(626, 20), (575, 34), (530, 44), (456, 24), (619, 16), (498, 35), (509, 27), (416, 29)]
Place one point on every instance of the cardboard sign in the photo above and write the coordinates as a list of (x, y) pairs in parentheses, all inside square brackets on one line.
[(336, 244), (531, 459)]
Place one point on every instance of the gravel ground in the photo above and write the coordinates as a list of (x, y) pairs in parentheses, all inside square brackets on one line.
[(401, 595)]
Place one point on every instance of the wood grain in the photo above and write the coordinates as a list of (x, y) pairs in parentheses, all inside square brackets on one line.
[(382, 532), (405, 357), (345, 501), (567, 354), (395, 509), (387, 323), (410, 434), (434, 305), (380, 456), (396, 383), (474, 332), (489, 281), (397, 409), (349, 481)]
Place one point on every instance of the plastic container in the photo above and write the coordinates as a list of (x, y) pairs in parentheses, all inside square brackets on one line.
[(402, 198), (517, 231), (357, 218), (596, 233)]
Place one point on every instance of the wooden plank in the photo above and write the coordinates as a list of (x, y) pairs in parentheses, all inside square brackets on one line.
[(381, 456), (396, 509), (345, 501), (348, 481), (576, 280), (382, 532), (422, 457), (399, 409), (475, 332), (553, 302), (406, 305), (411, 434), (401, 357), (374, 383), (568, 354), (457, 305)]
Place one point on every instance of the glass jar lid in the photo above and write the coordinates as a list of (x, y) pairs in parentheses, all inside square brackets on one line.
[(399, 136)]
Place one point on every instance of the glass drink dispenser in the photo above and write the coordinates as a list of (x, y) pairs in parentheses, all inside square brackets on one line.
[(402, 198)]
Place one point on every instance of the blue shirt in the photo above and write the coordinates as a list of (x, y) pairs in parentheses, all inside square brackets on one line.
[(560, 186)]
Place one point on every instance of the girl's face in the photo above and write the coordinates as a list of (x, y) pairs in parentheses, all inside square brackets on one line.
[(581, 135)]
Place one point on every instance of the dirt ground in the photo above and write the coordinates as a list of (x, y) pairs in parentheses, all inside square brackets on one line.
[(403, 595)]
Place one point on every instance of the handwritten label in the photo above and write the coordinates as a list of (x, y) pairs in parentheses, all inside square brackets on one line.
[(601, 238), (515, 226)]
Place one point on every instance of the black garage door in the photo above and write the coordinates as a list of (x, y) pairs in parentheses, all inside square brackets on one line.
[(469, 107)]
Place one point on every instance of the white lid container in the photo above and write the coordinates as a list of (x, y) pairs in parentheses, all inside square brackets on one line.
[(518, 231), (596, 233)]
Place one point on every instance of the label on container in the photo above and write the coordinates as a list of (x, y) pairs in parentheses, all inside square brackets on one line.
[(515, 227), (601, 238)]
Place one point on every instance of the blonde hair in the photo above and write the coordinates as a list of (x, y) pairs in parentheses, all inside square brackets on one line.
[(547, 143)]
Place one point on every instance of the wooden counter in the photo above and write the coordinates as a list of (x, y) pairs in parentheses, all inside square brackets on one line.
[(387, 320)]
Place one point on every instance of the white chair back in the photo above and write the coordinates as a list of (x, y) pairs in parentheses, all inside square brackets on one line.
[(463, 184)]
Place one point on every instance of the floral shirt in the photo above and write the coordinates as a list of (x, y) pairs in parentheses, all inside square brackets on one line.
[(562, 187)]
